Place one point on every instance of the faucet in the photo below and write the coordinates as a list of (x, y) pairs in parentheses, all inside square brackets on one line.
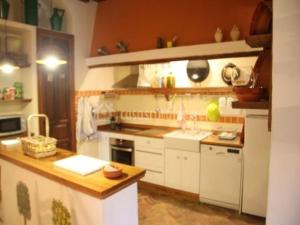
[(193, 118)]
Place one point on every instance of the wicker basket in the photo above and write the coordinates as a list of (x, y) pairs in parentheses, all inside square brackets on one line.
[(38, 146)]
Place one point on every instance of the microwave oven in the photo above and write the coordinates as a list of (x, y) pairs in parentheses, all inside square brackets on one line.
[(11, 124)]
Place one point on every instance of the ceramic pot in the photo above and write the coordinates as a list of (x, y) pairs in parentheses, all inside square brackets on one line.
[(56, 19), (4, 9)]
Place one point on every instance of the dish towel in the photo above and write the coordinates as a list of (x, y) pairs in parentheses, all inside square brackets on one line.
[(85, 125)]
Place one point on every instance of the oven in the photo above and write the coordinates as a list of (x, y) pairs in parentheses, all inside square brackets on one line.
[(122, 151), (11, 124)]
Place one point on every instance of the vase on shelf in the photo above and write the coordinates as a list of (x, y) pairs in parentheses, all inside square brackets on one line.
[(31, 12), (218, 35), (56, 19), (235, 33), (4, 9)]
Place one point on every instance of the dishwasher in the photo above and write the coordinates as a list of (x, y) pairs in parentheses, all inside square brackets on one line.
[(220, 176)]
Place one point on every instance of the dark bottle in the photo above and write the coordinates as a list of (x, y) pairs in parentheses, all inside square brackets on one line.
[(56, 19), (4, 9)]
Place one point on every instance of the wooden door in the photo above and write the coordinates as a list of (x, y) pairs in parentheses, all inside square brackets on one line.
[(56, 89)]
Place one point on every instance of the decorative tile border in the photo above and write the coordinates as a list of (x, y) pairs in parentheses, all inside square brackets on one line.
[(139, 115)]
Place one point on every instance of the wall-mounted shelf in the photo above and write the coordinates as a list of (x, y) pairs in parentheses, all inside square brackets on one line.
[(250, 105), (259, 41), (201, 51), (179, 91), (25, 100)]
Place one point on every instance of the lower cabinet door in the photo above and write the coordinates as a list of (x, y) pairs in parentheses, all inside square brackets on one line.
[(173, 168), (154, 177), (190, 171)]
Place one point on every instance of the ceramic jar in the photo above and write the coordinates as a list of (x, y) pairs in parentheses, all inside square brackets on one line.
[(235, 33), (218, 35)]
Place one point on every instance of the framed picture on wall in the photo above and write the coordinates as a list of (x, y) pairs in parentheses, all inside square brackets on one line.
[(45, 11)]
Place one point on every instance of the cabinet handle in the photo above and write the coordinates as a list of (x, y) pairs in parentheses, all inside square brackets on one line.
[(210, 148), (177, 157), (185, 158)]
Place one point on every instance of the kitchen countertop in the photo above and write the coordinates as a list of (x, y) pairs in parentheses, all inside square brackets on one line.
[(139, 130), (95, 184), (214, 140), (160, 131)]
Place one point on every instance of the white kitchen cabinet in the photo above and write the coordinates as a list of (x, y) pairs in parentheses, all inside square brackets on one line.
[(190, 170), (182, 170), (104, 150), (220, 176), (149, 154), (173, 168)]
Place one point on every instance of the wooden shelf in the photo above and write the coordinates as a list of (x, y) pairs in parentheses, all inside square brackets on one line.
[(250, 105), (259, 41), (25, 100), (180, 91), (201, 51)]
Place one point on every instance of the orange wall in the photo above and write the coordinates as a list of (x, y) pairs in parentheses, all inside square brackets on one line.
[(140, 22)]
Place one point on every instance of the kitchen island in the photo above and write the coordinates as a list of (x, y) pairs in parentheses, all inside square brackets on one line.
[(34, 191)]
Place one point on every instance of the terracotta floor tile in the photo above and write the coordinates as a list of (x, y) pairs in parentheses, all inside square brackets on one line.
[(161, 209)]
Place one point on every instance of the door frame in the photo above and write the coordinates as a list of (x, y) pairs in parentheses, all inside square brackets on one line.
[(41, 103)]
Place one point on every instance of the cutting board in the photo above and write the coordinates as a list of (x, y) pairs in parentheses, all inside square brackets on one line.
[(81, 164)]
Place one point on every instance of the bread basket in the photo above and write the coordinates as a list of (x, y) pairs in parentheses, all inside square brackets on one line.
[(38, 146)]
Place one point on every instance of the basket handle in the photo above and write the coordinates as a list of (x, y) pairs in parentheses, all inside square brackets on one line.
[(37, 115)]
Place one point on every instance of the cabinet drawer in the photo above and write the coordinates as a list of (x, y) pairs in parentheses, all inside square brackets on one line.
[(152, 161), (149, 143), (154, 177)]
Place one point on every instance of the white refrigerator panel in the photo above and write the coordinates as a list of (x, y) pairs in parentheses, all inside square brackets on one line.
[(256, 165)]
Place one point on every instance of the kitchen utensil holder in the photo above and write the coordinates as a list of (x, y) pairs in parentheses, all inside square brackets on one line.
[(38, 146)]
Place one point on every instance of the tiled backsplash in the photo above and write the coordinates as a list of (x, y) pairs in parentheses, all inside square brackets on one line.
[(143, 109)]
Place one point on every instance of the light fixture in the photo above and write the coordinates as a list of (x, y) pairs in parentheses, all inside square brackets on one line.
[(51, 61), (51, 57), (7, 63)]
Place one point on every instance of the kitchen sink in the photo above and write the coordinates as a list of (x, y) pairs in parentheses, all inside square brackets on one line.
[(185, 139), (189, 134), (130, 129)]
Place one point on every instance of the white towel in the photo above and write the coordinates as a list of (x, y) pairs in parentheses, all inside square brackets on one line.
[(85, 126)]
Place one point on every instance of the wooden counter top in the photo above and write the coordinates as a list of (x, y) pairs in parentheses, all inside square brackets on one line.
[(160, 131), (214, 140), (94, 184), (141, 130)]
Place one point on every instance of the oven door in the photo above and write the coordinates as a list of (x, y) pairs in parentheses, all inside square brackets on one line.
[(122, 154)]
